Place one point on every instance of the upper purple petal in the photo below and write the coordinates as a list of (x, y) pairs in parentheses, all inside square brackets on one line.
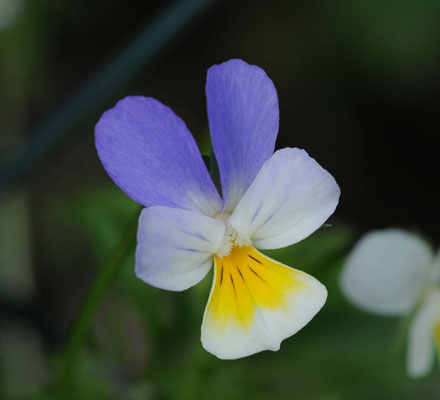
[(151, 155), (243, 118)]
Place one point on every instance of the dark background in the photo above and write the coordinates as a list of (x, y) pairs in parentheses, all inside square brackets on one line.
[(358, 85)]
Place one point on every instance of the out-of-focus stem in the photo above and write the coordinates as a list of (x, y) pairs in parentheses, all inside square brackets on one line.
[(106, 275)]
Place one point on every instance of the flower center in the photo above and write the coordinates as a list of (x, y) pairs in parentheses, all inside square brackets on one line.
[(231, 238)]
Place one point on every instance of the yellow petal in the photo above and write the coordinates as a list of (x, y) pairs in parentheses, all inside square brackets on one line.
[(255, 303), (437, 337)]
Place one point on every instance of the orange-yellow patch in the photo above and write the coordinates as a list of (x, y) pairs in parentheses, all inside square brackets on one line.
[(247, 280), (437, 336)]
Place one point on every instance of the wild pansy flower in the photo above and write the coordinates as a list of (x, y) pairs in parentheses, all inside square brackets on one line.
[(395, 273), (270, 200)]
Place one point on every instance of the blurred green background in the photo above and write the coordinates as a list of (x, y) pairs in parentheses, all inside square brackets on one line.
[(358, 85)]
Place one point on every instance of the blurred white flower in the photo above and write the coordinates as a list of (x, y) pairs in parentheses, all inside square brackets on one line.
[(9, 12), (393, 272)]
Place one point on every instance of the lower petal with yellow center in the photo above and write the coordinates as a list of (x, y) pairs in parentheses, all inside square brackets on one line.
[(255, 303)]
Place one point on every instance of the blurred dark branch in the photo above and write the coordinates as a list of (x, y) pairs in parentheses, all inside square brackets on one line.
[(28, 313), (154, 36)]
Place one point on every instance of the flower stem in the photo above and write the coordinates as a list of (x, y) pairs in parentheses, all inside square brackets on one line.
[(105, 276), (400, 336)]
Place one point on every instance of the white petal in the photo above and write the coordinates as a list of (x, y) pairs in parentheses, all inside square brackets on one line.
[(421, 344), (290, 198), (387, 271), (255, 303), (175, 247), (436, 269)]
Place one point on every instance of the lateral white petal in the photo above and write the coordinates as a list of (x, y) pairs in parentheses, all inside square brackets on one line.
[(290, 198), (421, 345), (175, 246), (386, 271)]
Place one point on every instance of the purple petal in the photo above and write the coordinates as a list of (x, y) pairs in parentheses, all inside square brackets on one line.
[(243, 118), (150, 154)]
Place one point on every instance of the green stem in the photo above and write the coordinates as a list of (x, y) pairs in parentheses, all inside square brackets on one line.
[(105, 277), (399, 337)]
